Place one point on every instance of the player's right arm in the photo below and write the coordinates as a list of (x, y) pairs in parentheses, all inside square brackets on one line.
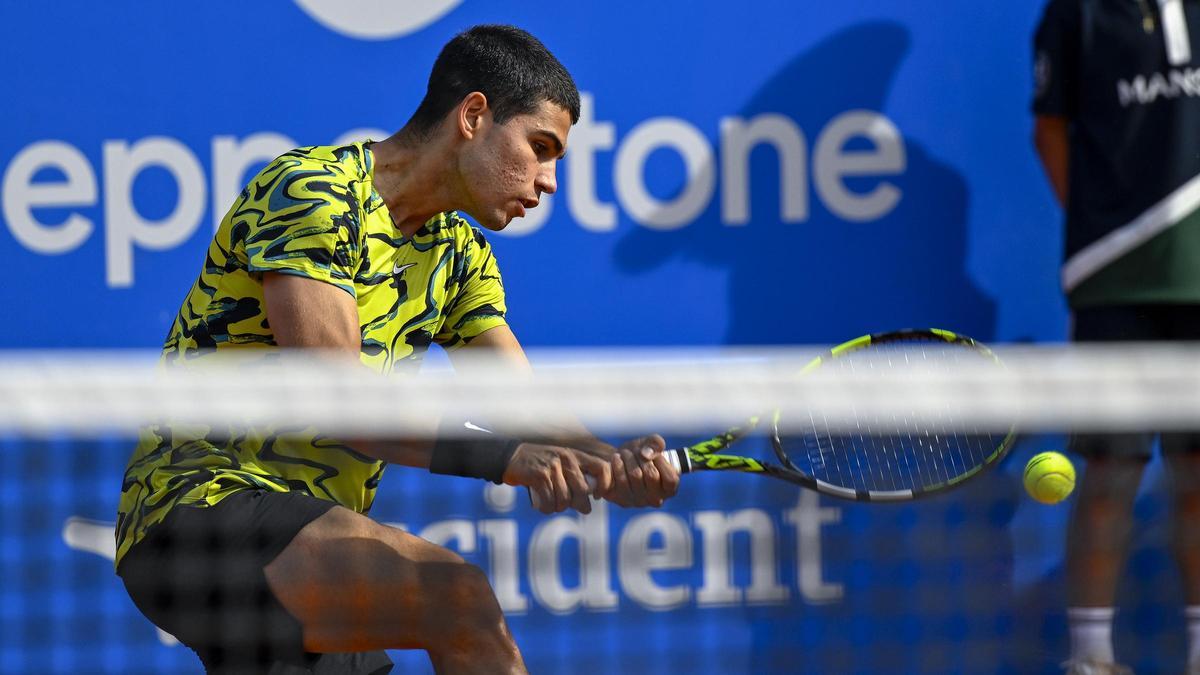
[(309, 314), (635, 474)]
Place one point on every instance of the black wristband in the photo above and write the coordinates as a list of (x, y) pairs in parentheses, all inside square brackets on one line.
[(473, 453)]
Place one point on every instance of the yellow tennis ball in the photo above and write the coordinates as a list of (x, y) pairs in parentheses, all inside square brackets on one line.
[(1049, 477)]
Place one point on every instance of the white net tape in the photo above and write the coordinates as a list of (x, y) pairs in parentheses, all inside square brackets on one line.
[(1103, 388)]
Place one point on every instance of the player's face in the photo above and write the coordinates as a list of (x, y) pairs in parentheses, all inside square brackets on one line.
[(513, 164)]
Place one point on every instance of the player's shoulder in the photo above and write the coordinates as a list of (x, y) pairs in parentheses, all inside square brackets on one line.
[(312, 175), (333, 160)]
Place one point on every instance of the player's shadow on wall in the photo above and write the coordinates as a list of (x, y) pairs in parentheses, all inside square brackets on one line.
[(825, 280), (926, 585)]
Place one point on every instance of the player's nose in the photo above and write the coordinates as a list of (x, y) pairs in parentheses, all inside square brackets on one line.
[(546, 182)]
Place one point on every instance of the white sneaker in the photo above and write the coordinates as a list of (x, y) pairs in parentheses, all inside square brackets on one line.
[(1094, 667)]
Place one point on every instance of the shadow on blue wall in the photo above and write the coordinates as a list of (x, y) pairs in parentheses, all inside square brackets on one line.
[(928, 586), (825, 280)]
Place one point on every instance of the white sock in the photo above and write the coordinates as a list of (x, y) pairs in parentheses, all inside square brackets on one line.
[(1091, 633), (1192, 614)]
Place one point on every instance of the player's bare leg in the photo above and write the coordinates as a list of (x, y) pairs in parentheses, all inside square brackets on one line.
[(1099, 529), (356, 585)]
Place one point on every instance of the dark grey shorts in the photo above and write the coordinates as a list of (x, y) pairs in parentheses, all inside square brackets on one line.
[(1136, 323), (199, 576)]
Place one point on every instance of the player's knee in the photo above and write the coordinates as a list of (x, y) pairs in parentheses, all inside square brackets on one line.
[(468, 590), (467, 608)]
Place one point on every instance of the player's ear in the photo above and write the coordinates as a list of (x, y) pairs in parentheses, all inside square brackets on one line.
[(472, 113)]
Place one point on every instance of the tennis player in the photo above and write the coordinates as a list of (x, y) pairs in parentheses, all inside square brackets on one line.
[(253, 548)]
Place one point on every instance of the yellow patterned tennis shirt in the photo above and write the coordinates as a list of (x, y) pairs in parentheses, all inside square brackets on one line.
[(312, 212)]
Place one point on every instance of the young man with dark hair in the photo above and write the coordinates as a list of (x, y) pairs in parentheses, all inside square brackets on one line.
[(252, 547)]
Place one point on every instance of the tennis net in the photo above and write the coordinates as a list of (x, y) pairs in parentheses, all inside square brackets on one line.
[(735, 574)]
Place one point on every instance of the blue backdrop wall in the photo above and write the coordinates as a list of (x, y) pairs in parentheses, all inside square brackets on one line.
[(744, 173)]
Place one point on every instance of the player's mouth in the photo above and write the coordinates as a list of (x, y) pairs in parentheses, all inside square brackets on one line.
[(523, 205)]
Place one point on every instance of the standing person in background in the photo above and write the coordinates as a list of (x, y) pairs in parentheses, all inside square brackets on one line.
[(254, 547), (1117, 107)]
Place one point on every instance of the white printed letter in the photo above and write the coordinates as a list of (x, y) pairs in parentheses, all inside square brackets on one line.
[(125, 227), (738, 138), (832, 163), (21, 195), (636, 559), (662, 132)]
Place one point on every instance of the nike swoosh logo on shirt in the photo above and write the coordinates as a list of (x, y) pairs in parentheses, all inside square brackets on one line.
[(398, 269)]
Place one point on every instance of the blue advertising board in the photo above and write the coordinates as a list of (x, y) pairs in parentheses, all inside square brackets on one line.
[(772, 172)]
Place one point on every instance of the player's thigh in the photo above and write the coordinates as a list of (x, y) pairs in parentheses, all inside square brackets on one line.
[(355, 584)]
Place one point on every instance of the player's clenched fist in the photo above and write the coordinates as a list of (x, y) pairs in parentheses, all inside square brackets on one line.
[(641, 474), (558, 477)]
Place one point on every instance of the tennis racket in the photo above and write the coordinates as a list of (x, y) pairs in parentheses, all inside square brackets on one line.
[(864, 466)]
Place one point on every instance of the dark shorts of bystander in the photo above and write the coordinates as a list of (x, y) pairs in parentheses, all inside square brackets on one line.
[(199, 576), (1135, 323)]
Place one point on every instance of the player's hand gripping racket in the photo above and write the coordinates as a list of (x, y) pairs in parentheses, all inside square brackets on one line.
[(918, 461)]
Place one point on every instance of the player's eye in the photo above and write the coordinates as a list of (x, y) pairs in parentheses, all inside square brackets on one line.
[(540, 148)]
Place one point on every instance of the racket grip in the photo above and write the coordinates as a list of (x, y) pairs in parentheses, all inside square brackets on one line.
[(678, 457)]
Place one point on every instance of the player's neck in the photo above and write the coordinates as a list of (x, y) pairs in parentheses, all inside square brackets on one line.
[(411, 179)]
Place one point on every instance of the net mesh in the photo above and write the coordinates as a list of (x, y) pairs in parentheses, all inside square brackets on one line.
[(738, 573)]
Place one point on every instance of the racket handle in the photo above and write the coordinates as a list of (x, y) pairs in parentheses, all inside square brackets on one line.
[(678, 457)]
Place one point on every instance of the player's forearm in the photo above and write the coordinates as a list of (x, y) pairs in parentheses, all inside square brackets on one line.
[(407, 452), (499, 347), (571, 435)]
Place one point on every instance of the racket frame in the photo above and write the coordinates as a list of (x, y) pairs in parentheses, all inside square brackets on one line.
[(707, 455)]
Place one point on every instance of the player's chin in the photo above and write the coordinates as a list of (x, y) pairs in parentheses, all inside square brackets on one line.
[(493, 220), (500, 219), (498, 222)]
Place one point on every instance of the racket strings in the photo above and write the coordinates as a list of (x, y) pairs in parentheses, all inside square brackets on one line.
[(898, 452)]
